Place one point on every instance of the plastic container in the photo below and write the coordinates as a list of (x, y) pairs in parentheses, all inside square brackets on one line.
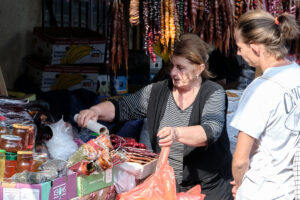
[(23, 132), (3, 127), (10, 165), (11, 143), (2, 164), (24, 161)]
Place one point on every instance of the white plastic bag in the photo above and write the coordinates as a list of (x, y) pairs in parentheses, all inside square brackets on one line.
[(123, 180), (61, 146)]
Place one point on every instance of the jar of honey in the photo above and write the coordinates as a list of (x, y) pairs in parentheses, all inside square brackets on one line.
[(3, 127), (31, 137), (24, 161), (2, 164), (38, 159), (23, 132), (10, 165), (10, 143)]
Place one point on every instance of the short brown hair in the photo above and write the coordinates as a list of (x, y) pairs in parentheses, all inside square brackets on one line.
[(192, 48), (261, 27)]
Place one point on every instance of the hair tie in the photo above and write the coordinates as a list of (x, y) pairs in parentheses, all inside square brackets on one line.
[(276, 21)]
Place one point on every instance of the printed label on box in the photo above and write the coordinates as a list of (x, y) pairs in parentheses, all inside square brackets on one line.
[(11, 194), (108, 175), (30, 194), (60, 191)]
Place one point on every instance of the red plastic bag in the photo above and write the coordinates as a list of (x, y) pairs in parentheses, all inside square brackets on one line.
[(193, 194), (161, 184)]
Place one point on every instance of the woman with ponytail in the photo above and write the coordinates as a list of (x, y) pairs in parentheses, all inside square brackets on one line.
[(268, 115)]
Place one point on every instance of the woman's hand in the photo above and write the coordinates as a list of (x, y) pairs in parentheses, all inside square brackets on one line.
[(86, 115), (234, 189), (167, 136)]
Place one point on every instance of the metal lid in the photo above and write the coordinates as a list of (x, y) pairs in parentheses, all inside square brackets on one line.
[(21, 126), (11, 137), (25, 152)]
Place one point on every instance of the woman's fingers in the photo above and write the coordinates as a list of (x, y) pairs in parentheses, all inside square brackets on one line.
[(234, 188), (84, 116), (163, 132), (166, 137), (166, 144)]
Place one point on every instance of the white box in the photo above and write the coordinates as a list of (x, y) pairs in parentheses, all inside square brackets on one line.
[(140, 171)]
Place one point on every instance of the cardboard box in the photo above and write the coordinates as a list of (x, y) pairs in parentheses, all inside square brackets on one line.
[(94, 182), (140, 171), (107, 193), (19, 191), (68, 45), (62, 188), (121, 84), (104, 85), (61, 77)]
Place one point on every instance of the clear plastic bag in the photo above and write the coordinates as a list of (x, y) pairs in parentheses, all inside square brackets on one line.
[(55, 165), (61, 146), (123, 180), (34, 177)]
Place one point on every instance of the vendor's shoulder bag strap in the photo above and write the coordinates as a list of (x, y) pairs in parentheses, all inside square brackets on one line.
[(296, 161)]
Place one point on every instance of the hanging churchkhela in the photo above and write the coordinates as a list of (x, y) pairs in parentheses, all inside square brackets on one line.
[(213, 20), (134, 17), (119, 45), (166, 20)]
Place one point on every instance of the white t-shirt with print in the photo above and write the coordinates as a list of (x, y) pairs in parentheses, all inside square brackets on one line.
[(268, 113)]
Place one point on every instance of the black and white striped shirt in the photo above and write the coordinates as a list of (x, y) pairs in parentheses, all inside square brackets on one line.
[(135, 106)]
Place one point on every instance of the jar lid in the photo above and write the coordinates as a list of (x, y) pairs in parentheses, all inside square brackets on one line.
[(2, 151), (10, 156), (11, 137), (25, 152), (21, 126), (40, 154), (2, 118)]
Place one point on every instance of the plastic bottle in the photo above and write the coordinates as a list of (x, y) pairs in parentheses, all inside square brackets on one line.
[(2, 164), (3, 128)]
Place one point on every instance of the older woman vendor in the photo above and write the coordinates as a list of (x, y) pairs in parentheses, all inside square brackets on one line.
[(186, 112)]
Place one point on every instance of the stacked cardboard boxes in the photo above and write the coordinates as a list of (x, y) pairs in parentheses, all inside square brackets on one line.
[(66, 58)]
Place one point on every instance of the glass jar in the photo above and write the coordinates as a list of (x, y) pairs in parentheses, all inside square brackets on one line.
[(10, 165), (2, 164), (38, 159), (31, 137), (3, 127), (10, 143), (24, 161), (23, 132)]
